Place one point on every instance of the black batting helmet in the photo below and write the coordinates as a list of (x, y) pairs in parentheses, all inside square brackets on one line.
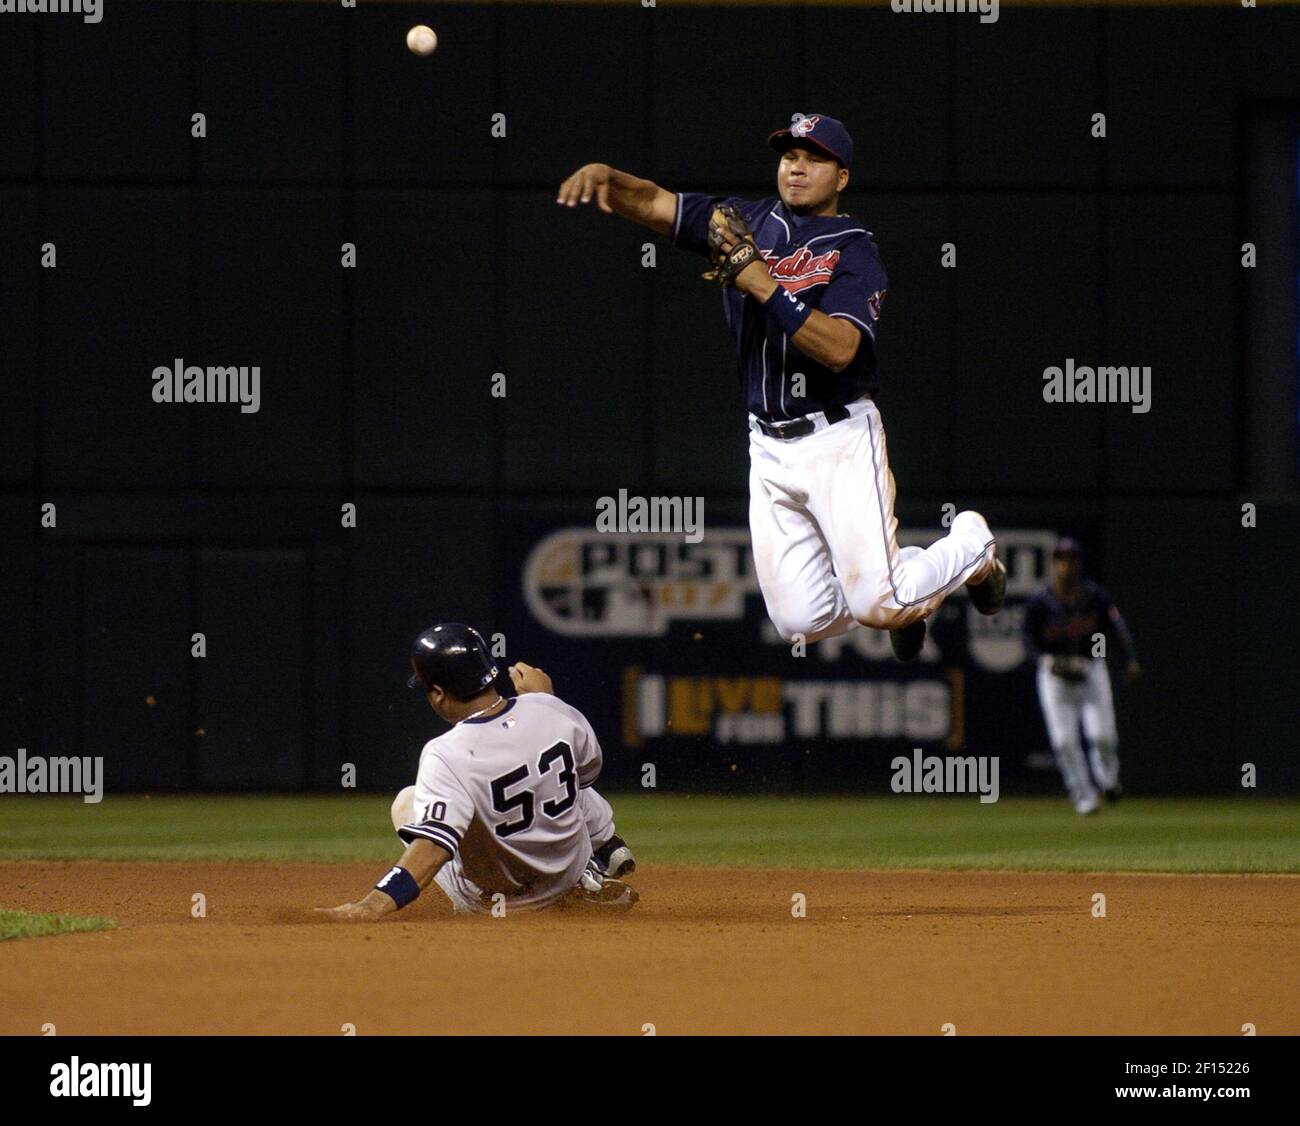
[(453, 657)]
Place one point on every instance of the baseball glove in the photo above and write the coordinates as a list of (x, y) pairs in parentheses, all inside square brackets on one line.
[(1072, 670), (731, 244)]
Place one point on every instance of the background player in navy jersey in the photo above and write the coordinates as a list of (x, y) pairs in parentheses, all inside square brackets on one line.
[(802, 291), (1063, 624)]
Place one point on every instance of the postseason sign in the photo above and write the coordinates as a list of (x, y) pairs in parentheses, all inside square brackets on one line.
[(666, 646)]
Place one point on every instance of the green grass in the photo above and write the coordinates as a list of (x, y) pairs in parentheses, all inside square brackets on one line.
[(23, 924), (1246, 834)]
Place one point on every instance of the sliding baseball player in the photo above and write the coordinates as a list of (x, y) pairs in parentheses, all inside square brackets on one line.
[(502, 814), (802, 287)]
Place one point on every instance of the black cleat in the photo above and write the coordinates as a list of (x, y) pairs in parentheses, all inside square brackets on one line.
[(907, 642), (989, 595), (1113, 795), (615, 858)]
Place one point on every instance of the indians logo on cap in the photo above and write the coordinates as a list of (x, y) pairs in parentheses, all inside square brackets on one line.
[(801, 126)]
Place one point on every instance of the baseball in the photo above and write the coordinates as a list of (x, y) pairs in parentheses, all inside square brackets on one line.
[(421, 39)]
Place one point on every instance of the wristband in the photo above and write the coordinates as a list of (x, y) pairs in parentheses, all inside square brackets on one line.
[(786, 310), (400, 886)]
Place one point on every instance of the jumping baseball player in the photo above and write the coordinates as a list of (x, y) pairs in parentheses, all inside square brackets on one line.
[(502, 810), (802, 291), (1062, 625)]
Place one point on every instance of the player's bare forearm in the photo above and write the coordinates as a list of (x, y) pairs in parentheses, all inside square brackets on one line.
[(620, 193), (422, 859), (831, 341), (755, 281), (1127, 650)]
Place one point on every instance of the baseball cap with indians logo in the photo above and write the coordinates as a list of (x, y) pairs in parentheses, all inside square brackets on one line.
[(818, 130)]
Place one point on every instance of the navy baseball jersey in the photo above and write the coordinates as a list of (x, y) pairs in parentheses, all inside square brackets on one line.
[(830, 263), (1066, 629)]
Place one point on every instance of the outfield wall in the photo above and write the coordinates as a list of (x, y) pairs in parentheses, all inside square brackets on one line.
[(321, 129)]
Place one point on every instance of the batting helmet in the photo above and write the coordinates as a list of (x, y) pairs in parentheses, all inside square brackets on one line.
[(453, 657)]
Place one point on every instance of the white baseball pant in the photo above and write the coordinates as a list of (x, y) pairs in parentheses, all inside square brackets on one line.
[(1067, 704), (821, 516), (464, 894)]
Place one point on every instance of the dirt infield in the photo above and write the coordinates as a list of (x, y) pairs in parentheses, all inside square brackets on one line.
[(706, 951)]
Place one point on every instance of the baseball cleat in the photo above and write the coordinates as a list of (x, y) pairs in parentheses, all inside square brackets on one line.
[(1114, 793), (615, 858), (907, 642), (1086, 807), (988, 596), (615, 894), (596, 890)]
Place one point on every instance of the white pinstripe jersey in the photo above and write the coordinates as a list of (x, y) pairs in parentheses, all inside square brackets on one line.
[(501, 794)]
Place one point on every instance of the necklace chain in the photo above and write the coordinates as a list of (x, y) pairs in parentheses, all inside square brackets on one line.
[(483, 711)]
